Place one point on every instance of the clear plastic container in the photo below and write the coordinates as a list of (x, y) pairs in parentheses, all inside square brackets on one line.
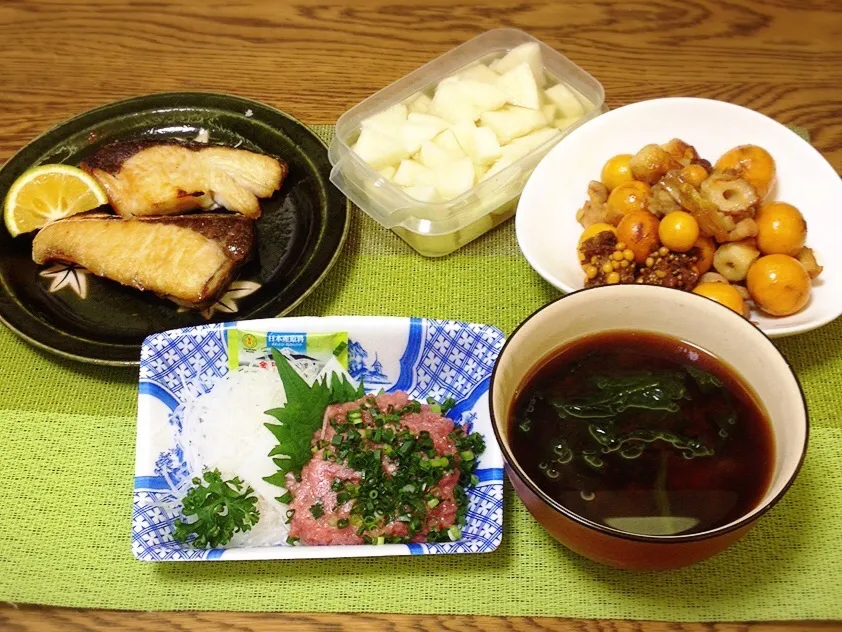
[(437, 229)]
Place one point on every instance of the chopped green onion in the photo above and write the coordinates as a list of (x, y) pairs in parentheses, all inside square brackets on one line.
[(454, 533), (381, 540), (467, 455), (342, 523), (433, 502), (435, 408), (317, 510), (291, 541)]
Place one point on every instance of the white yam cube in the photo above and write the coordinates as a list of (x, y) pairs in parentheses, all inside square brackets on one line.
[(425, 193), (411, 173), (419, 103), (484, 96), (420, 128), (549, 111), (447, 140), (564, 123), (389, 117), (565, 100), (480, 143), (452, 103), (530, 52), (387, 172), (432, 155), (479, 72), (379, 149), (497, 167), (454, 179), (512, 122), (536, 138), (520, 87)]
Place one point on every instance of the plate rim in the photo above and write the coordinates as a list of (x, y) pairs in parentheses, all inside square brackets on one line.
[(142, 98)]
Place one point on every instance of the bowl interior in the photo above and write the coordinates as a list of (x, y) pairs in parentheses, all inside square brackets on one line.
[(682, 315), (548, 232)]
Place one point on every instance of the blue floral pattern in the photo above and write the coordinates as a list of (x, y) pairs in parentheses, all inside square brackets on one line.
[(437, 358)]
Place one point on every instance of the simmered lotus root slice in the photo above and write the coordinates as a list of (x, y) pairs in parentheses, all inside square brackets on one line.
[(730, 193)]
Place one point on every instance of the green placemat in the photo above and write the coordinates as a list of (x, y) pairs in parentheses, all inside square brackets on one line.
[(67, 461)]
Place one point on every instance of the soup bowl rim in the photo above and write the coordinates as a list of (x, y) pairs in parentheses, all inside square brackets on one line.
[(751, 515)]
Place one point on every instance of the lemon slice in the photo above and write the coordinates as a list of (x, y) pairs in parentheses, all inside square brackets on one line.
[(49, 192)]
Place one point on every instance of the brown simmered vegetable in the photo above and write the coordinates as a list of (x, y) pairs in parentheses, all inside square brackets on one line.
[(652, 163), (744, 229), (594, 210), (751, 162), (807, 258), (682, 152), (732, 260), (731, 194), (661, 202), (711, 221)]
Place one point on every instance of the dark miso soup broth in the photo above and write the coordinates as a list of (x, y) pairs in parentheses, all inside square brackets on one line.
[(643, 433)]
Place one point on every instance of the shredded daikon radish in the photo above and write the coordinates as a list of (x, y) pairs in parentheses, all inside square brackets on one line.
[(224, 429)]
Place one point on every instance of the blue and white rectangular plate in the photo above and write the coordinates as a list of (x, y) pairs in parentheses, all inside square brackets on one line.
[(424, 357)]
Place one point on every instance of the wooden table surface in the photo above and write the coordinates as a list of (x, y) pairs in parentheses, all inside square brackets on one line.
[(317, 58)]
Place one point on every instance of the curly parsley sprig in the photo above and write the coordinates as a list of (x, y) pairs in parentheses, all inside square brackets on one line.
[(219, 509)]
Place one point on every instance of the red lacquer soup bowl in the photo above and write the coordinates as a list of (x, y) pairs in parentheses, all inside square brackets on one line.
[(682, 315)]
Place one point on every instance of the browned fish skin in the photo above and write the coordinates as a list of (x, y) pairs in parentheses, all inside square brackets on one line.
[(151, 177), (190, 259)]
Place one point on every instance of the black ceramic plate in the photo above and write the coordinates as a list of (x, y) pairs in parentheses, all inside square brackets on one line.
[(299, 235)]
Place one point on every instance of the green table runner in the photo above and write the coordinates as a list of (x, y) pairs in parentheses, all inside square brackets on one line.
[(67, 462)]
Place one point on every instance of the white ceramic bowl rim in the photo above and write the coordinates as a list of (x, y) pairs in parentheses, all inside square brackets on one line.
[(751, 515)]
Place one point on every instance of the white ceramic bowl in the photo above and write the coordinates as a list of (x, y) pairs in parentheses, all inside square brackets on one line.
[(548, 232)]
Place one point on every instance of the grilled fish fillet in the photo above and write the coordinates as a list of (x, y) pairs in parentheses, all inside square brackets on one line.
[(145, 178), (189, 259)]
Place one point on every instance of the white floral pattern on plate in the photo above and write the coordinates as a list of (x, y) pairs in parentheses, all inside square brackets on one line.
[(64, 275), (227, 304)]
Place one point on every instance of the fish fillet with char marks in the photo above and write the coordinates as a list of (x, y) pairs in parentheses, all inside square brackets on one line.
[(189, 259), (144, 178)]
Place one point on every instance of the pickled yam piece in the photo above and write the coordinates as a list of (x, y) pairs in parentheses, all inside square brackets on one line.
[(566, 101), (452, 101), (520, 88), (530, 53), (423, 193), (378, 149), (418, 129), (388, 118), (479, 72), (480, 143), (412, 173), (512, 122), (432, 155), (189, 259), (455, 179), (419, 103)]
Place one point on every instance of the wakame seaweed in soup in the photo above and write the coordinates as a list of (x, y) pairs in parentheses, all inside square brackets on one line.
[(643, 433)]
